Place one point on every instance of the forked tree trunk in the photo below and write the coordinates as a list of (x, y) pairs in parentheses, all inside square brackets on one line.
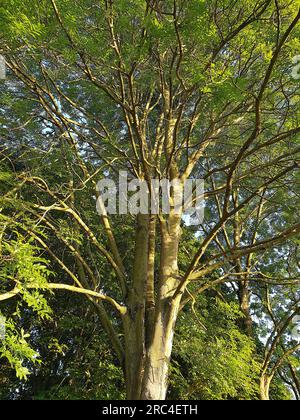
[(148, 358)]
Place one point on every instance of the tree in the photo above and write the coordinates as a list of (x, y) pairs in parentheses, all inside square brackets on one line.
[(174, 90)]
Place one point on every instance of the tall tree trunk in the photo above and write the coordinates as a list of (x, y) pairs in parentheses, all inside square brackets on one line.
[(265, 383), (148, 355), (155, 382), (159, 349), (134, 320), (246, 322)]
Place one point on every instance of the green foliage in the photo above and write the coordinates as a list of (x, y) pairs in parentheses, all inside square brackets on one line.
[(29, 272), (78, 363), (21, 266), (213, 359), (14, 347)]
